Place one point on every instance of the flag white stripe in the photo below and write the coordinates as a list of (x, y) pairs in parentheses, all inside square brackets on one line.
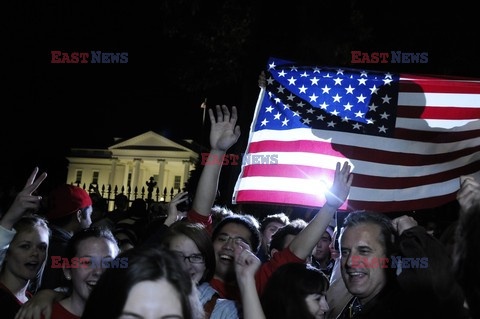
[(368, 168), (438, 125), (365, 141), (316, 187), (439, 99), (419, 80)]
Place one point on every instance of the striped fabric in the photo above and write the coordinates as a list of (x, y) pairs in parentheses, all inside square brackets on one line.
[(408, 137)]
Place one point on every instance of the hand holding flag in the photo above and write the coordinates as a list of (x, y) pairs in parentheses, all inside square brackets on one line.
[(408, 137)]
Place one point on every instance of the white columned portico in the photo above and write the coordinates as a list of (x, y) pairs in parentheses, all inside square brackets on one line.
[(126, 171), (186, 171), (161, 174), (113, 169), (136, 172)]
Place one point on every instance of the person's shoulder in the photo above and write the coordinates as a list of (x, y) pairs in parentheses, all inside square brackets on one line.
[(205, 292), (59, 235), (225, 309), (60, 312)]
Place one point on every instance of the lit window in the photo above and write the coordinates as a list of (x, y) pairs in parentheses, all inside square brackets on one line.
[(78, 178), (176, 184), (95, 177)]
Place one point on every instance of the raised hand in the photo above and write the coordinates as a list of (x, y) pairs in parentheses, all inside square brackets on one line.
[(469, 193), (341, 186), (246, 263), (402, 223), (172, 211), (40, 305), (262, 81), (24, 201), (223, 133)]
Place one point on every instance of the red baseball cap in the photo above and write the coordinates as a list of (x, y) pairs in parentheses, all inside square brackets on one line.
[(65, 200)]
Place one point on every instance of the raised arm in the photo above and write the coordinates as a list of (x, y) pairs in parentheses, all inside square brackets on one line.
[(303, 244), (223, 134), (172, 211), (468, 194), (246, 265), (40, 305), (433, 276), (24, 201)]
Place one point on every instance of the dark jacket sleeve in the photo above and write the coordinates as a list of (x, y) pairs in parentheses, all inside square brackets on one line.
[(53, 277), (427, 270)]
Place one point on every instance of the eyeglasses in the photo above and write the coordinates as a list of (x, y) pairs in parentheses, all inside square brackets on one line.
[(193, 259), (223, 238)]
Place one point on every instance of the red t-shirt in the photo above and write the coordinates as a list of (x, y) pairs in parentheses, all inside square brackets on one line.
[(206, 221), (59, 312), (261, 277), (263, 274)]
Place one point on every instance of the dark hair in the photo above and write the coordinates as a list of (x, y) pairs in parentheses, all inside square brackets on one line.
[(287, 288), (387, 233), (121, 200), (27, 223), (199, 235), (219, 213), (138, 208), (466, 258), (278, 218), (278, 239), (247, 222), (108, 298), (65, 220), (96, 232)]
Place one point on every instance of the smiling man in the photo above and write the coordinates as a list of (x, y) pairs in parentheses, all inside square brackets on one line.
[(386, 292)]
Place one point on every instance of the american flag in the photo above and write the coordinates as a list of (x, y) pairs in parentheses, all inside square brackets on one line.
[(408, 137)]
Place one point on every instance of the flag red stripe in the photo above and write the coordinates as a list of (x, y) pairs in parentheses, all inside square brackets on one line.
[(438, 113), (308, 200), (288, 198), (439, 86), (358, 153), (406, 205), (437, 77), (435, 137), (359, 180), (452, 101)]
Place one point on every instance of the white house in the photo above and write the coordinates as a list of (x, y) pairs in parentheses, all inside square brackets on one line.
[(133, 162)]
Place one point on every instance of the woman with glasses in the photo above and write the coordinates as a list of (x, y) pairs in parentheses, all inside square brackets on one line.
[(193, 246)]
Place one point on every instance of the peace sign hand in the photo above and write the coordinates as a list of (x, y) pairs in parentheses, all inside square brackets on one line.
[(24, 201)]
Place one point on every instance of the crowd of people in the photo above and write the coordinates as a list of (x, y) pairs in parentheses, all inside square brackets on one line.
[(63, 259)]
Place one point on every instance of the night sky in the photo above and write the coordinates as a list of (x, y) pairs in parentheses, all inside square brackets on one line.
[(180, 52)]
